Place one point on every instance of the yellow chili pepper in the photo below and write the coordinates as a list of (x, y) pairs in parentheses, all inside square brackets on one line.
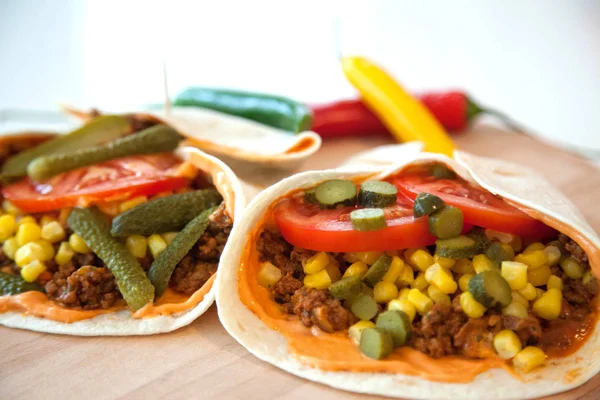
[(405, 117)]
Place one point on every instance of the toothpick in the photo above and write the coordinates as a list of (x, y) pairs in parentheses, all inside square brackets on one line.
[(166, 89)]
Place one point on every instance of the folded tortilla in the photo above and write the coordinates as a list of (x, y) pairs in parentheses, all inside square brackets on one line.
[(518, 185)]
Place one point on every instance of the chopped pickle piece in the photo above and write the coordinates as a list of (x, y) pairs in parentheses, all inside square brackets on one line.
[(346, 288), (364, 307), (426, 204), (376, 343), (497, 254), (377, 194), (335, 192), (456, 247), (440, 171), (490, 288), (355, 331), (378, 270), (396, 324), (368, 219), (446, 223), (481, 240), (310, 196)]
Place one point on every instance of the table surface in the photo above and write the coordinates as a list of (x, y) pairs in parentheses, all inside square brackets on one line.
[(202, 360)]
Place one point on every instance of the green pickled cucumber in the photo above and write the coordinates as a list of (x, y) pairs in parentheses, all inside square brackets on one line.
[(14, 284), (309, 196), (368, 219), (497, 254), (481, 240), (490, 288), (134, 285), (165, 214), (440, 171), (346, 288), (446, 223), (456, 247), (376, 343), (396, 324), (377, 271), (99, 130), (162, 268), (156, 139), (377, 194), (426, 204), (336, 192), (364, 307)]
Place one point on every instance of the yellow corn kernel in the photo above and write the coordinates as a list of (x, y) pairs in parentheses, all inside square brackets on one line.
[(516, 309), (357, 268), (63, 215), (46, 219), (442, 278), (535, 246), (355, 331), (25, 219), (29, 253), (515, 274), (587, 278), (9, 248), (78, 245), (507, 344), (368, 257), (470, 306), (516, 296), (549, 304), (407, 277), (438, 296), (533, 259), (403, 293), (420, 282), (572, 268), (129, 204), (444, 262), (554, 282), (552, 255), (501, 237), (28, 232), (529, 358), (509, 251), (31, 271), (48, 249), (8, 226), (419, 258), (334, 272), (463, 282), (529, 292), (53, 232), (405, 306), (421, 302), (394, 271), (137, 245), (384, 291), (268, 275), (463, 266), (539, 276), (481, 263), (318, 280), (169, 236), (315, 263), (65, 254), (156, 244), (112, 208), (10, 208)]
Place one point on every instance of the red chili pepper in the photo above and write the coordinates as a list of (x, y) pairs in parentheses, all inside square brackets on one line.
[(454, 110)]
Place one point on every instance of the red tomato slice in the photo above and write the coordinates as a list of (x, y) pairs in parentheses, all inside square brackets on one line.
[(114, 180), (479, 207)]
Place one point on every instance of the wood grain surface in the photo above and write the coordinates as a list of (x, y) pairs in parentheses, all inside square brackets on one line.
[(202, 360)]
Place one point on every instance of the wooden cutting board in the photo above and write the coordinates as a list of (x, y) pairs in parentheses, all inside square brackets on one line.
[(202, 360)]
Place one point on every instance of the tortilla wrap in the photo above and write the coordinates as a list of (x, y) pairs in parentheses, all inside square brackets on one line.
[(520, 186), (123, 322)]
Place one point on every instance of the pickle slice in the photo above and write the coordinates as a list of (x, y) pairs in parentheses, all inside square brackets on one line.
[(368, 219), (446, 223), (426, 204), (335, 192), (377, 271), (490, 288), (310, 196), (497, 254), (14, 284), (481, 240), (364, 307), (396, 324), (456, 247), (377, 194), (346, 288), (440, 171), (376, 343)]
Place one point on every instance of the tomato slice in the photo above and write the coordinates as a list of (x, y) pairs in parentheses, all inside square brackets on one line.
[(114, 180), (479, 207)]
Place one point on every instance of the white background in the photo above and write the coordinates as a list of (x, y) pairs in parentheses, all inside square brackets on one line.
[(536, 60)]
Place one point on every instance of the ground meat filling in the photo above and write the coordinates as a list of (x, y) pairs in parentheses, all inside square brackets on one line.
[(318, 307)]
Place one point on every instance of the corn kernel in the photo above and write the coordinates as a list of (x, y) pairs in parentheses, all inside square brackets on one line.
[(508, 251), (9, 248), (29, 253), (463, 282), (268, 274), (529, 358), (549, 304), (315, 263), (515, 274), (384, 291), (507, 344), (405, 306), (535, 246), (137, 245), (334, 272), (78, 245), (420, 282), (587, 278), (31, 271), (394, 271), (10, 208), (48, 249), (65, 254), (28, 232), (46, 219), (169, 236), (470, 306), (444, 262), (357, 268), (129, 204), (528, 292), (554, 282), (481, 263), (552, 255), (539, 276), (26, 219), (501, 237), (516, 296), (8, 226), (438, 296), (572, 268), (156, 244), (421, 302), (53, 232), (516, 309), (407, 277), (442, 278), (403, 293), (318, 280), (463, 266), (355, 331), (533, 259), (419, 258), (368, 257)]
